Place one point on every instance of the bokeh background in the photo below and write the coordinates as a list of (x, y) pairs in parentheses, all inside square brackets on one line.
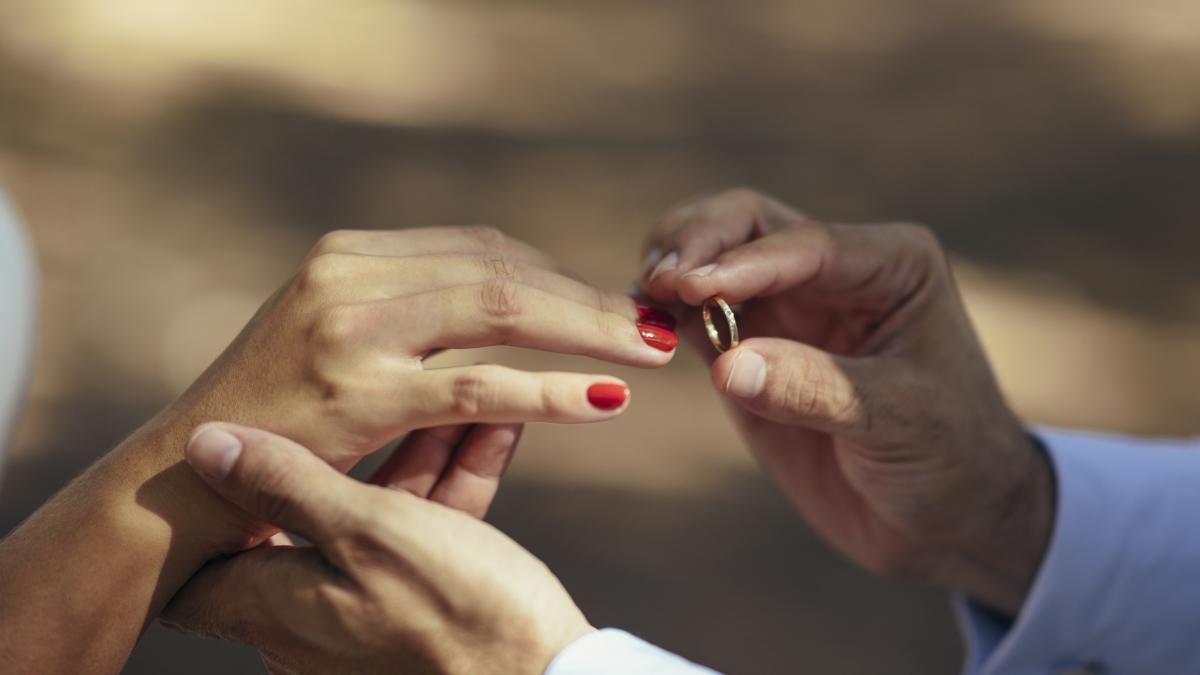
[(174, 160)]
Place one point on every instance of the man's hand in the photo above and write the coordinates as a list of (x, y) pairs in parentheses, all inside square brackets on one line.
[(335, 360), (863, 389), (393, 582)]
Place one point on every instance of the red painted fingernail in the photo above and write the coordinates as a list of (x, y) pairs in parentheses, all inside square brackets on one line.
[(655, 317), (658, 337), (608, 396)]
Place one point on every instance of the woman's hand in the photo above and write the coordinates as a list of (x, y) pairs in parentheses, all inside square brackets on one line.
[(392, 583), (335, 359), (863, 389)]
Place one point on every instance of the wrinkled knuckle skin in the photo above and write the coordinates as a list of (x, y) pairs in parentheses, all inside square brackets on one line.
[(497, 267), (618, 304), (473, 392), (609, 329), (554, 399), (500, 300), (802, 390)]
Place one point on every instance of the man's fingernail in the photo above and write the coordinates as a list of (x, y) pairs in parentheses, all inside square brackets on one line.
[(702, 271), (748, 374), (665, 265), (213, 452), (655, 317), (658, 337), (607, 396), (652, 257)]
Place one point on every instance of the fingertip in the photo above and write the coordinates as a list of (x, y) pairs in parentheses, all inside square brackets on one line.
[(695, 289), (668, 265), (747, 374), (508, 433), (650, 261), (660, 291), (609, 397), (659, 282), (721, 367), (662, 341), (730, 277), (656, 317), (213, 450)]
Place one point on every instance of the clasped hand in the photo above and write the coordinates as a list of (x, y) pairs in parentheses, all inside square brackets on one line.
[(861, 388)]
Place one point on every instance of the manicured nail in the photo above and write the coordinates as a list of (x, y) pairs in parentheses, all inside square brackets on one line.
[(652, 257), (658, 337), (213, 452), (655, 317), (608, 396), (702, 271), (748, 374), (665, 265)]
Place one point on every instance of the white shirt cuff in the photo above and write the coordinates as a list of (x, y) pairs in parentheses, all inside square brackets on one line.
[(615, 652)]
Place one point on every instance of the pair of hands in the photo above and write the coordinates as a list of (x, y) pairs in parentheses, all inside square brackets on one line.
[(864, 393)]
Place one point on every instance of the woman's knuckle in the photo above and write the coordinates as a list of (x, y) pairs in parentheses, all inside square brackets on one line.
[(615, 303), (485, 235), (335, 241), (333, 328), (320, 273), (554, 397), (496, 266), (500, 299), (473, 392), (741, 194), (608, 327), (920, 237)]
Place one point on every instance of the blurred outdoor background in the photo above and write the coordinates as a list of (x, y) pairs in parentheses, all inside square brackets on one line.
[(174, 160)]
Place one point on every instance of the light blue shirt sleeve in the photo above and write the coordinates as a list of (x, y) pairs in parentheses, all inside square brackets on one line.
[(615, 652), (1119, 589)]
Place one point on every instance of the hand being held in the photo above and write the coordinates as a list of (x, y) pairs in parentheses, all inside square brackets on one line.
[(863, 390), (335, 359), (393, 580)]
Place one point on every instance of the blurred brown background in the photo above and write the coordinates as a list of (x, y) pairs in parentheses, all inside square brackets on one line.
[(175, 159)]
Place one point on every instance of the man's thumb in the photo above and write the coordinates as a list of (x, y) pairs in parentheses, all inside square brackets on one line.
[(793, 383), (270, 477)]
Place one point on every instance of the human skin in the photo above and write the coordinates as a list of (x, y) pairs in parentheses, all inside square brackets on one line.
[(402, 579), (862, 389), (334, 360)]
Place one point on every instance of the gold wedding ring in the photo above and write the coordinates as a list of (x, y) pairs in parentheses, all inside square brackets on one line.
[(714, 336)]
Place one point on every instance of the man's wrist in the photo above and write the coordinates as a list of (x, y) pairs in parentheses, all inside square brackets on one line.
[(1007, 537)]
